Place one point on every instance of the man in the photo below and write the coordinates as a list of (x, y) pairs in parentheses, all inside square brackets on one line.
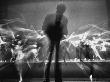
[(55, 27)]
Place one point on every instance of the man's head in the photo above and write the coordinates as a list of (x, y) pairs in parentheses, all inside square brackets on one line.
[(61, 8)]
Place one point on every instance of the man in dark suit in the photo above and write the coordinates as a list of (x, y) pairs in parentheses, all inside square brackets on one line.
[(55, 27)]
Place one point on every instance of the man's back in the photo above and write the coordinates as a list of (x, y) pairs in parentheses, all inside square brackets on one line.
[(51, 26), (54, 28)]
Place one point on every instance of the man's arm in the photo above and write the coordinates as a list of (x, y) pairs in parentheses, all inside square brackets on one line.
[(44, 26), (65, 30)]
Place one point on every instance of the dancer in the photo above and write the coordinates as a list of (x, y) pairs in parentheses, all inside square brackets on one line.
[(55, 27)]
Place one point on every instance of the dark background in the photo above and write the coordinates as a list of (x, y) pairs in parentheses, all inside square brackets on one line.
[(79, 12)]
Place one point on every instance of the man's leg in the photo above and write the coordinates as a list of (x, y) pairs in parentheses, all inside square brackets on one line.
[(47, 70), (58, 74)]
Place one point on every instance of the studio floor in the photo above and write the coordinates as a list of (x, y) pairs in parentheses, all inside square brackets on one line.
[(71, 72)]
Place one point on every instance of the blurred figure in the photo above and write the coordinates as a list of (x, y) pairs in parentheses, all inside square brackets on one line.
[(55, 27)]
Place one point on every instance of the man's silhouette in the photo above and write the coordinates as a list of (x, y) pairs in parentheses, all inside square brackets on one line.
[(55, 27)]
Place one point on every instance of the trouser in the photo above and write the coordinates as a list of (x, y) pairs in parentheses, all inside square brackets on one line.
[(57, 65)]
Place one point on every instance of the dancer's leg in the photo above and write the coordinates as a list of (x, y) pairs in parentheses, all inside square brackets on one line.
[(47, 70), (58, 76)]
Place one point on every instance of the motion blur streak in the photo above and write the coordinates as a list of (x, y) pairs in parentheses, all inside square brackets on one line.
[(26, 45)]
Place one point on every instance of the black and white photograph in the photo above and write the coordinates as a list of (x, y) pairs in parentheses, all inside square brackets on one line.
[(54, 40)]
